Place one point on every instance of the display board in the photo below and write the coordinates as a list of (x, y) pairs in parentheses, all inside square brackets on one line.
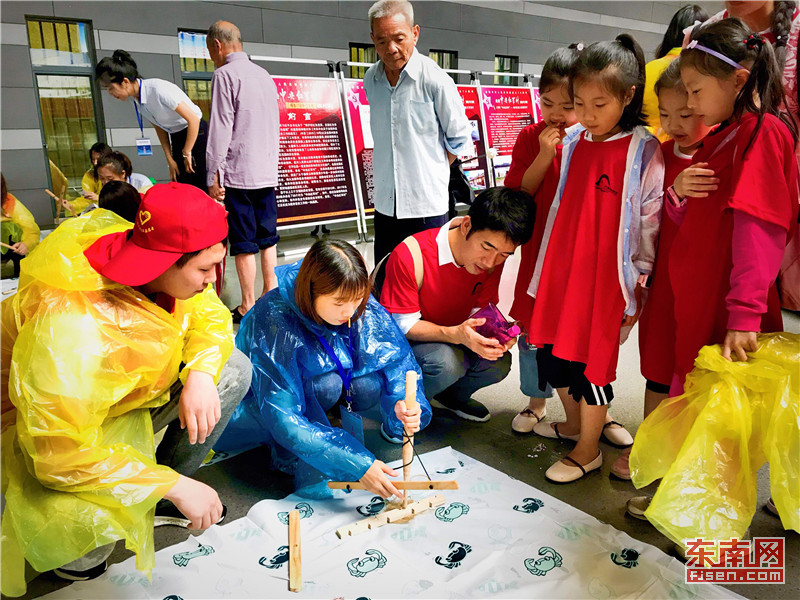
[(314, 178), (361, 136), (507, 110), (475, 163)]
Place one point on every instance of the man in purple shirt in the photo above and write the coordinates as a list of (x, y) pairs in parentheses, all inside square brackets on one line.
[(242, 158)]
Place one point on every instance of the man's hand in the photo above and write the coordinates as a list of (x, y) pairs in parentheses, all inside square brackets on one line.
[(197, 502), (198, 407), (409, 418), (216, 191), (375, 480), (173, 169), (695, 181), (20, 248), (738, 343), (487, 348)]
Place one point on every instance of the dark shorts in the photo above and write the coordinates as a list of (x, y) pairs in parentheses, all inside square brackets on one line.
[(252, 220), (560, 373)]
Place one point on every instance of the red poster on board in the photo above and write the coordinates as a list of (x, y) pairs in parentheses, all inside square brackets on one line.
[(474, 162), (358, 112), (314, 182), (537, 109), (508, 110)]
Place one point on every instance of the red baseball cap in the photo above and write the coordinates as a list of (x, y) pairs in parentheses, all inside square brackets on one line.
[(173, 219)]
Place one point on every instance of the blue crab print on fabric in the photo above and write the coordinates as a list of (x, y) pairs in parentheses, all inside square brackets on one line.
[(376, 505), (281, 558), (182, 559), (305, 512), (451, 513), (529, 505), (628, 558), (373, 560), (550, 559), (458, 552)]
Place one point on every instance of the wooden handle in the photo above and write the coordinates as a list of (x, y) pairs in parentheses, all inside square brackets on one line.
[(4, 245), (59, 204), (408, 439), (450, 484), (295, 563)]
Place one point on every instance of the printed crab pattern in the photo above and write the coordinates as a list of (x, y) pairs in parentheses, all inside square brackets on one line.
[(303, 507), (529, 505), (628, 558), (458, 552), (277, 561), (359, 567), (550, 559)]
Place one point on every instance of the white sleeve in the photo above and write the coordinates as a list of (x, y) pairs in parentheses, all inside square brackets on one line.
[(405, 321), (650, 212)]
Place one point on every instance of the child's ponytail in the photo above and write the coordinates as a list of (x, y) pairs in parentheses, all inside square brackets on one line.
[(762, 93), (619, 65)]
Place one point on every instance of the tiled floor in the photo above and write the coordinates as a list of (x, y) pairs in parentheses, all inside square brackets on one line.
[(244, 480)]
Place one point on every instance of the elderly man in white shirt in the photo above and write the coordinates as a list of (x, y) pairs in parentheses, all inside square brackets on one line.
[(418, 125)]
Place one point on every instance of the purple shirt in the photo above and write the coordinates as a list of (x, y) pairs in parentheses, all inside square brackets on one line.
[(244, 125)]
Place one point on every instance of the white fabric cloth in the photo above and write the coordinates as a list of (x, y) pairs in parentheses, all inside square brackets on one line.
[(159, 99), (502, 530)]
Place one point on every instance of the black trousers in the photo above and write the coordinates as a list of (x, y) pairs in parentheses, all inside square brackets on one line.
[(391, 231), (176, 142)]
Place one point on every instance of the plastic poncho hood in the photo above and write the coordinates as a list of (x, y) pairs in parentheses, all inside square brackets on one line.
[(85, 359), (280, 409)]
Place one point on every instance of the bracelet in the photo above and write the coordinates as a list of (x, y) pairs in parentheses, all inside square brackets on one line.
[(186, 155)]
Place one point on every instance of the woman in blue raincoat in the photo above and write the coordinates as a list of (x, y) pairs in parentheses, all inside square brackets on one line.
[(320, 340)]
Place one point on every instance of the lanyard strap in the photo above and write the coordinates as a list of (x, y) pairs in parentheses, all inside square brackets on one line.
[(345, 374), (136, 108)]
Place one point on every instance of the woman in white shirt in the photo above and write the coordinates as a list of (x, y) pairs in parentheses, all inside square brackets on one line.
[(177, 120)]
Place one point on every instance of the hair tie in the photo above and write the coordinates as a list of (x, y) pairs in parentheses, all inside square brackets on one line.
[(753, 41), (579, 47)]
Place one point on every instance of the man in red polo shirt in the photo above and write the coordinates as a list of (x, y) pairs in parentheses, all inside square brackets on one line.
[(461, 264)]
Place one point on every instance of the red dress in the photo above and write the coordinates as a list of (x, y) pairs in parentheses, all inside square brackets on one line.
[(657, 323), (526, 149), (762, 185), (579, 307)]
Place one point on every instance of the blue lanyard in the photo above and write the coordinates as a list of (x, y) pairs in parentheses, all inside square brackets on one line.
[(136, 108), (346, 375)]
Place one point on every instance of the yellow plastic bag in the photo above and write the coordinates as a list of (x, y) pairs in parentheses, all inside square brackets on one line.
[(708, 444), (89, 359)]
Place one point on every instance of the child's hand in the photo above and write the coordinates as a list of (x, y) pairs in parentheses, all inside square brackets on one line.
[(409, 418), (738, 343), (548, 140), (695, 181), (375, 480), (20, 248), (630, 320)]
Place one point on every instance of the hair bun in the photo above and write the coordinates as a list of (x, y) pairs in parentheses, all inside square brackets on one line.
[(753, 41)]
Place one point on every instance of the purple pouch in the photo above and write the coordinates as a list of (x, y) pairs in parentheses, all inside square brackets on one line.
[(496, 325)]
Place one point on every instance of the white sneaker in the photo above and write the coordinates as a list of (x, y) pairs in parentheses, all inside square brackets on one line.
[(524, 421)]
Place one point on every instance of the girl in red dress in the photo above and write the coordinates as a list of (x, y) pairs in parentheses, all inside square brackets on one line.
[(728, 250), (534, 170), (597, 251), (657, 324)]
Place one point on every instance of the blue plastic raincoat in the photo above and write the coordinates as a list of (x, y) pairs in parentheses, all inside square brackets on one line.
[(282, 344)]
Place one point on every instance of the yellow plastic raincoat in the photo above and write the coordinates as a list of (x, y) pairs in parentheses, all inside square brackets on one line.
[(708, 444), (89, 358), (15, 212)]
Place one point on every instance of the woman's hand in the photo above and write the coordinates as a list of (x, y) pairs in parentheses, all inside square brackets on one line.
[(90, 195), (188, 161), (174, 171), (738, 343), (375, 480), (409, 418)]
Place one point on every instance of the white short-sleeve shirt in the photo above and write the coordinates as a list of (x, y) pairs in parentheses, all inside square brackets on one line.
[(157, 102)]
